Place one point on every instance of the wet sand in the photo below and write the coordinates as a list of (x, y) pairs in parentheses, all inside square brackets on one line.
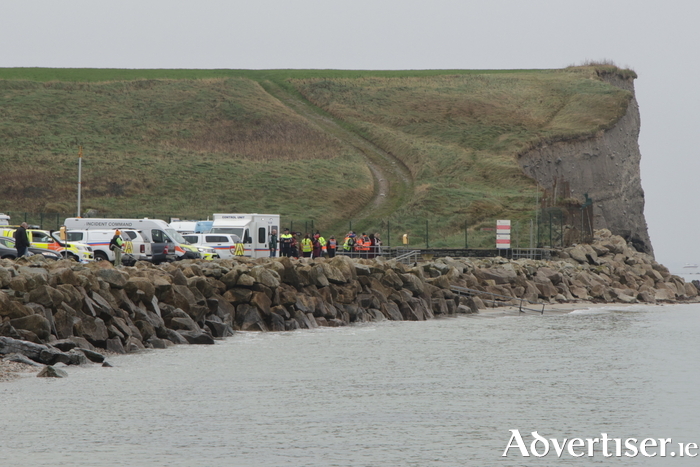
[(13, 370)]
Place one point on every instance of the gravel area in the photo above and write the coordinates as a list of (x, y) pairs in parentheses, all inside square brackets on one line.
[(12, 370)]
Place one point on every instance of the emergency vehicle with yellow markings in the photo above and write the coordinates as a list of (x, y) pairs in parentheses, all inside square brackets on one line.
[(44, 239)]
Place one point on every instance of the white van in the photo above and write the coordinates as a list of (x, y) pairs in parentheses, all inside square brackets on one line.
[(223, 244), (189, 227), (164, 241), (134, 244), (253, 230)]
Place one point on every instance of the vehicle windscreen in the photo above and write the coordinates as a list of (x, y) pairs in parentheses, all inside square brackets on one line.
[(190, 238), (7, 242), (41, 237), (74, 236), (237, 231), (175, 235)]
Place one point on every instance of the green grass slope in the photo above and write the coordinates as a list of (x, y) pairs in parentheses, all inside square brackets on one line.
[(188, 143)]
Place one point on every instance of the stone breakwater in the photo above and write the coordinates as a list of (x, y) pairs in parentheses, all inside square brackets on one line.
[(67, 312)]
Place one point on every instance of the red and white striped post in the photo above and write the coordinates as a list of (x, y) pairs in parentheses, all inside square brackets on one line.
[(503, 234)]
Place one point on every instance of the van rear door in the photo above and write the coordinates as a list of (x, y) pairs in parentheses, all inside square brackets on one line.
[(262, 248), (140, 246), (221, 243), (162, 248), (248, 243)]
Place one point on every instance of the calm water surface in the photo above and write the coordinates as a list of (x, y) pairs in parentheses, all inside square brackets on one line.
[(437, 393)]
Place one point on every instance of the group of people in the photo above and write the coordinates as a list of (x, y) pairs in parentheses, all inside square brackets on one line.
[(366, 246), (292, 244)]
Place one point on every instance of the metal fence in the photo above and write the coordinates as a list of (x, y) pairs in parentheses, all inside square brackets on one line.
[(547, 228)]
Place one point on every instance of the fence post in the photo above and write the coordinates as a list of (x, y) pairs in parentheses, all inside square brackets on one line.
[(561, 230), (312, 226), (427, 243), (466, 242), (41, 220), (291, 226), (388, 233)]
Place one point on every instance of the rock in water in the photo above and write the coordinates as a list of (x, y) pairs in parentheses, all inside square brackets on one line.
[(52, 372)]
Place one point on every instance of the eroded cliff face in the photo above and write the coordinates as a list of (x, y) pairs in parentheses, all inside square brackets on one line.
[(606, 167)]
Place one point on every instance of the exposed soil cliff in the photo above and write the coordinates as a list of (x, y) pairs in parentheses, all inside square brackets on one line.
[(606, 168)]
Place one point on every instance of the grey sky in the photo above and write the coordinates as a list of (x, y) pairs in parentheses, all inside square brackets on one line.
[(656, 39)]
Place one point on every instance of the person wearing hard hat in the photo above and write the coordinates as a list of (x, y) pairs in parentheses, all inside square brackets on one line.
[(116, 246)]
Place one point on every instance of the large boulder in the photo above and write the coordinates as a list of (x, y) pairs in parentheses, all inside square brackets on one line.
[(5, 277), (52, 372), (266, 276), (262, 302), (413, 283), (499, 275), (391, 311), (198, 337), (333, 274), (44, 354), (113, 277), (37, 324), (64, 320), (47, 296), (345, 265), (303, 319), (12, 309), (92, 329), (578, 253), (134, 284), (408, 313), (248, 318)]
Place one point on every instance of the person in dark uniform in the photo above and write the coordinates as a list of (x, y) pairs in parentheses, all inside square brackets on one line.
[(21, 240)]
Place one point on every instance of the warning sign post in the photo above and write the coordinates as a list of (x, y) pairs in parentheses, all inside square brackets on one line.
[(503, 234)]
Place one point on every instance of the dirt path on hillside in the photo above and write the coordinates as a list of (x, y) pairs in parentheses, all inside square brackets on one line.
[(392, 179)]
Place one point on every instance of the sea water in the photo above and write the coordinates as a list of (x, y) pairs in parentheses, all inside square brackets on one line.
[(444, 392)]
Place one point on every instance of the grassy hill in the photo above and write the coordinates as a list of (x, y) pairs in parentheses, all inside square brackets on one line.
[(307, 144)]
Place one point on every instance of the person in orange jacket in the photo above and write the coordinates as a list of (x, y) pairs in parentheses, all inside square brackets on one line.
[(366, 243)]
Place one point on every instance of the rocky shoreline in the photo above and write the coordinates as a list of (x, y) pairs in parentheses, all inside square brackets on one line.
[(64, 313)]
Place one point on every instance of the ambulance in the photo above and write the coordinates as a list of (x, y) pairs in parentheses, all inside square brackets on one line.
[(252, 230), (44, 239), (159, 239)]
